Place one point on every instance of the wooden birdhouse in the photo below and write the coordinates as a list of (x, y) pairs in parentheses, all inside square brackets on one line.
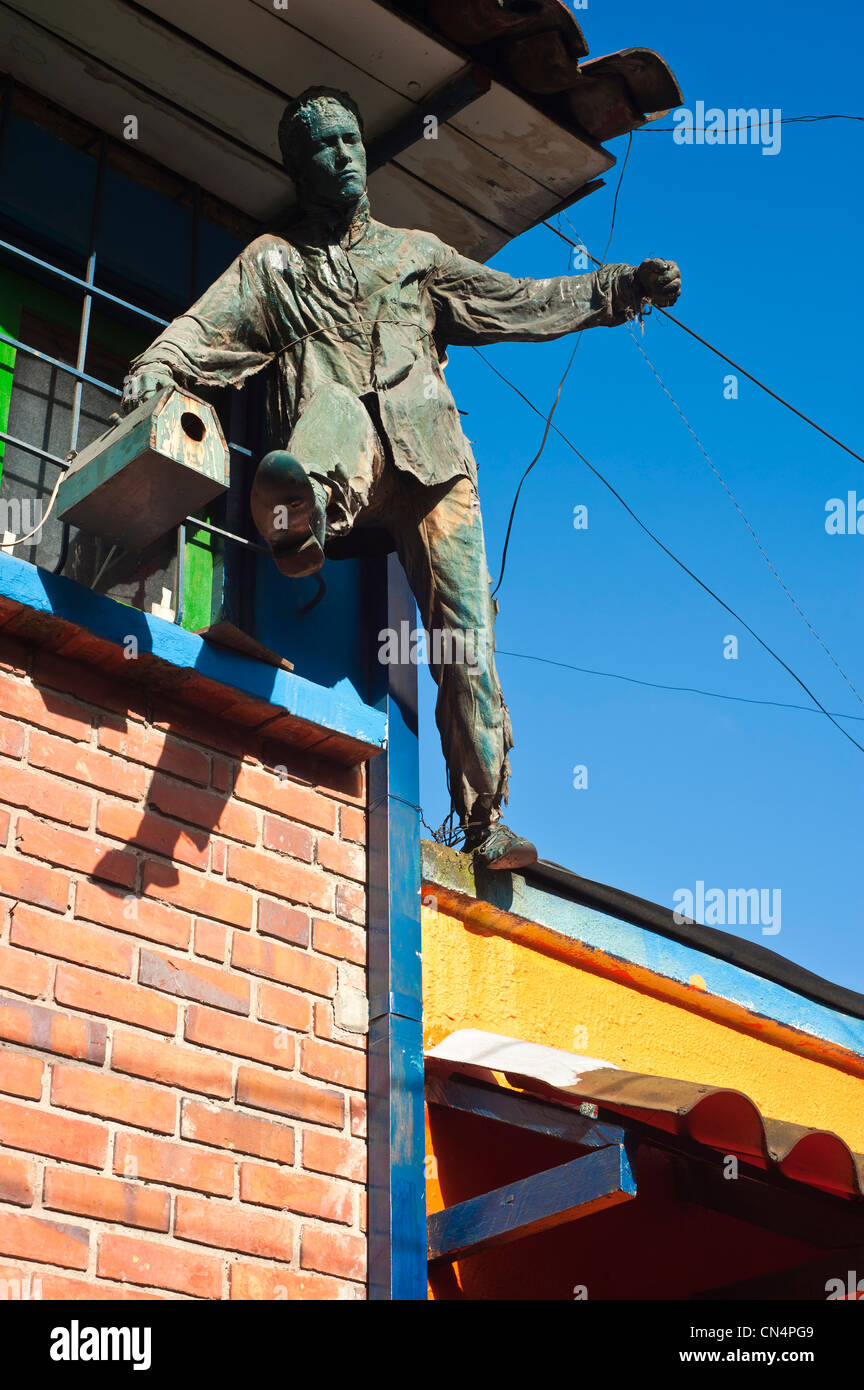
[(140, 479)]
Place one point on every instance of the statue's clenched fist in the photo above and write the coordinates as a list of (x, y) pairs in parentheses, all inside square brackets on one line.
[(659, 281), (137, 389)]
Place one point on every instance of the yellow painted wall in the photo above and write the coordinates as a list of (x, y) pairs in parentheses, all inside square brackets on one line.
[(478, 979)]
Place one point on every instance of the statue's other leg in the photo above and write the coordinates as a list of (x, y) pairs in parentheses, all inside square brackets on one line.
[(319, 482), (439, 535)]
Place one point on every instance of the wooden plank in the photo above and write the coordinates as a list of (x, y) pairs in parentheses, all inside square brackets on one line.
[(571, 1191), (403, 200), (520, 1111), (104, 97)]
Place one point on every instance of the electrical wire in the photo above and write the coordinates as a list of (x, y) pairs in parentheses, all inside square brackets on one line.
[(681, 689), (738, 368), (787, 591), (561, 383), (672, 556), (783, 120)]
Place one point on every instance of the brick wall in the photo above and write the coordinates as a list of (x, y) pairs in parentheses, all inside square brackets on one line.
[(182, 999)]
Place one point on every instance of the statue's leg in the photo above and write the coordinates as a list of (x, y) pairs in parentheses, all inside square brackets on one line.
[(439, 536), (319, 482)]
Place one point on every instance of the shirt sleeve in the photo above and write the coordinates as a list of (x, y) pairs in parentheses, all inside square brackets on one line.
[(226, 336), (476, 305)]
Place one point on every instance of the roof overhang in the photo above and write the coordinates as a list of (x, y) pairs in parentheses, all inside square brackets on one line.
[(208, 83)]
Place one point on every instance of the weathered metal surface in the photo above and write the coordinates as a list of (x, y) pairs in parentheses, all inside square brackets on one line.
[(718, 1118), (147, 473)]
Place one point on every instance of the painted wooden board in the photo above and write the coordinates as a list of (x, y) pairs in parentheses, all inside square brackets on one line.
[(572, 1190), (402, 200), (103, 96), (519, 1111)]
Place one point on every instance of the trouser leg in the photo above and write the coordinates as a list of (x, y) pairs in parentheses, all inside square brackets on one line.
[(337, 443), (439, 537)]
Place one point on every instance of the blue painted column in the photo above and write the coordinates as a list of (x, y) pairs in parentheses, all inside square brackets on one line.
[(397, 1207)]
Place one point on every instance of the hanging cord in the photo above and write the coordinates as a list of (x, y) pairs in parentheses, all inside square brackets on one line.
[(22, 540), (561, 383), (791, 597), (672, 556)]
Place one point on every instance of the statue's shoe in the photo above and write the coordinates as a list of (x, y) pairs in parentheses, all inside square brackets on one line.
[(500, 848), (290, 510)]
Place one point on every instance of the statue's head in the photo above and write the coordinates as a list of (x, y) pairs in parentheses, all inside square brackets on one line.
[(321, 138)]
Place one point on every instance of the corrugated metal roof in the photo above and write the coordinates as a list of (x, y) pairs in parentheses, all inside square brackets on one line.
[(714, 1116)]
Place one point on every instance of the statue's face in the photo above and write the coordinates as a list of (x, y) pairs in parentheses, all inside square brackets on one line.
[(333, 157)]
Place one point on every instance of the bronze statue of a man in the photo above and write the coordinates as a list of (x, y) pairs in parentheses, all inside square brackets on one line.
[(357, 317)]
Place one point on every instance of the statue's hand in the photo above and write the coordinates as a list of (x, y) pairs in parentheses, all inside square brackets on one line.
[(659, 281), (137, 389)]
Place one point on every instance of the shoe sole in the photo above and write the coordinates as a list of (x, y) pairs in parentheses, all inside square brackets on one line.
[(513, 859)]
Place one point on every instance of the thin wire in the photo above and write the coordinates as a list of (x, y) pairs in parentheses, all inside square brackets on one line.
[(682, 689), (561, 383), (783, 120), (718, 353), (787, 591), (672, 556), (10, 545)]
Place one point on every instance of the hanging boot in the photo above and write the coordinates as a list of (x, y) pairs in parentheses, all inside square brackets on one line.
[(289, 509)]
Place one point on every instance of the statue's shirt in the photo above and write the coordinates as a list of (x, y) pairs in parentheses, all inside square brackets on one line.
[(373, 310)]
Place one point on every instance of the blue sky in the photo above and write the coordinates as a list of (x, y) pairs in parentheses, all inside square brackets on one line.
[(683, 788)]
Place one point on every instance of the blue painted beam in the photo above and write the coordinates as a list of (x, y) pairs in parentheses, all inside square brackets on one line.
[(114, 622), (397, 1210), (566, 1193), (521, 1112)]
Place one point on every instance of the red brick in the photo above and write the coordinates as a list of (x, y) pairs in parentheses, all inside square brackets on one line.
[(113, 1098), (33, 883), (224, 774), (263, 1283), (300, 1192), (35, 1026), (75, 852), (351, 903), (5, 822), (191, 980), (38, 931), (280, 877), (285, 798), (138, 916), (92, 993), (134, 1261), (286, 1096), (135, 827), (331, 1153), (284, 1007), (241, 1037), (179, 1165), (333, 1252), (56, 1288), (198, 727), (337, 939), (65, 675), (198, 894), (48, 710), (153, 748), (40, 1132), (341, 858), (228, 1129), (352, 824), (123, 1203), (343, 1066), (23, 972), (18, 1181), (358, 1116), (171, 1064), (215, 1223), (218, 856), (288, 923), (14, 656), (11, 740), (45, 796), (211, 940), (84, 764), (207, 809), (51, 1242), (287, 838), (284, 964), (21, 1075)]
